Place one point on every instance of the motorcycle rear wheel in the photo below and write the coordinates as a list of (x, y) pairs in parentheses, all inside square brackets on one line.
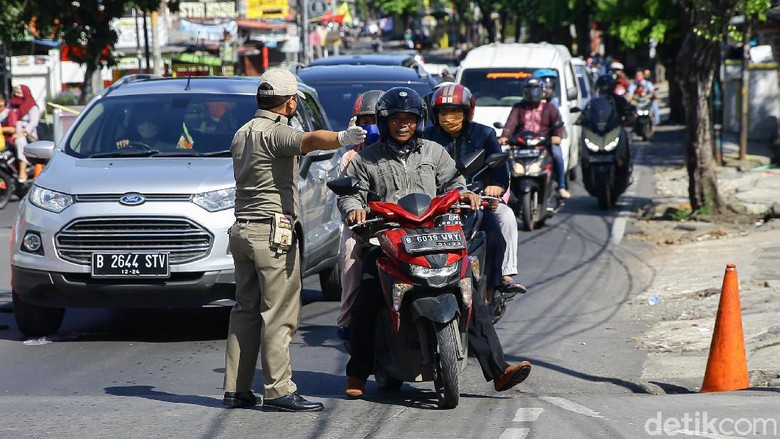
[(6, 189), (446, 380)]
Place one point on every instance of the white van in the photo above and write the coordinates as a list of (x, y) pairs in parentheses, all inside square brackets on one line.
[(495, 74)]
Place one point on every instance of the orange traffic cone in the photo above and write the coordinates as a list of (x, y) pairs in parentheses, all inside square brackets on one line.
[(727, 363)]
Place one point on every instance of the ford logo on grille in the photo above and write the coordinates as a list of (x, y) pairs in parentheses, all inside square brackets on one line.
[(132, 199)]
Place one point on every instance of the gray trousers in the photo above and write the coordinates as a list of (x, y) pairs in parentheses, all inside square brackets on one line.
[(266, 313), (506, 218)]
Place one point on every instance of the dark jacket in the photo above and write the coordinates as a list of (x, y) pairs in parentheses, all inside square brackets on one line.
[(473, 137), (550, 117)]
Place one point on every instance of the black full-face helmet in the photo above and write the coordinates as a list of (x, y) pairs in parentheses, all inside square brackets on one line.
[(533, 91), (400, 100), (605, 84)]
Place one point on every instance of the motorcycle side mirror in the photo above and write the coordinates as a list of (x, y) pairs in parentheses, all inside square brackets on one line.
[(497, 159), (344, 186), (498, 125), (471, 162)]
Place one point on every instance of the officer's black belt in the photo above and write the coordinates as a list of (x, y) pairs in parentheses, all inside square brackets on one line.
[(254, 221)]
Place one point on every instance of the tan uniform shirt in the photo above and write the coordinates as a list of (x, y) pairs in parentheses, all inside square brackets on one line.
[(265, 153)]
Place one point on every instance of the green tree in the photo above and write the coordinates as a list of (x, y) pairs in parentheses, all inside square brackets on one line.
[(85, 27)]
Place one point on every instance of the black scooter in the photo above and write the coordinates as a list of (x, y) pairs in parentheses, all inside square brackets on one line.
[(643, 122), (531, 167), (606, 156), (9, 178)]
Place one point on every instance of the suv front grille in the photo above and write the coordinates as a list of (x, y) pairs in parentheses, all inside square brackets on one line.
[(184, 240)]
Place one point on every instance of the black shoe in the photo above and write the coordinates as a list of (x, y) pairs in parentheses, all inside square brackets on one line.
[(291, 403), (237, 400)]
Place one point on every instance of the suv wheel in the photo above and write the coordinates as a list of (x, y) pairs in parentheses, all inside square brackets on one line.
[(36, 320), (330, 283)]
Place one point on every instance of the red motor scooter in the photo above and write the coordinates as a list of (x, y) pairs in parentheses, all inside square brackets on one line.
[(427, 272)]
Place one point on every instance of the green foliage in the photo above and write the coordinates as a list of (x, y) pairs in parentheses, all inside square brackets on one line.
[(66, 98), (398, 7), (11, 21)]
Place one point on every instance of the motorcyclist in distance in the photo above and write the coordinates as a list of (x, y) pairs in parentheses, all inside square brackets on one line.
[(452, 107), (401, 163), (534, 114)]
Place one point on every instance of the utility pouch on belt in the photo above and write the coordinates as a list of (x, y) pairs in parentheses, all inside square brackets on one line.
[(281, 233)]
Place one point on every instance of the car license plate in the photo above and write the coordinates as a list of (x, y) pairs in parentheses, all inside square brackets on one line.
[(428, 242), (130, 265)]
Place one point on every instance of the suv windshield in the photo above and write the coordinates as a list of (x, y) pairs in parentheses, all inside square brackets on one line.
[(500, 87), (160, 124), (339, 99)]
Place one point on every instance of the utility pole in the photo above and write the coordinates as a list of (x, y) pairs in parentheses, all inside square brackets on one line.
[(305, 31), (156, 43), (146, 42)]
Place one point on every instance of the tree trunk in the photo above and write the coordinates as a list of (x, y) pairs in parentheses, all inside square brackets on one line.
[(86, 88), (697, 63)]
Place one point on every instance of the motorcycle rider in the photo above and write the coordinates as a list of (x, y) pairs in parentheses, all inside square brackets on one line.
[(453, 110), (548, 76), (605, 86), (364, 111), (641, 85), (534, 114), (402, 162)]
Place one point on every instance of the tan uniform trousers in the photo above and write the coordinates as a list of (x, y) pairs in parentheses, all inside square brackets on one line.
[(266, 313)]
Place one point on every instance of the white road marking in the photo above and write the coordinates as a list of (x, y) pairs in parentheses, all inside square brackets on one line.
[(527, 414), (674, 432), (572, 406), (619, 226), (515, 433)]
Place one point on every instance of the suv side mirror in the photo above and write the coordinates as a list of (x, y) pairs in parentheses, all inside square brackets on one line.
[(40, 152), (498, 125), (308, 159)]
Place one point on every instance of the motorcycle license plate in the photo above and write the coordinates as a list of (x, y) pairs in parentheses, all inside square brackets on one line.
[(430, 242), (527, 153), (130, 265), (602, 159)]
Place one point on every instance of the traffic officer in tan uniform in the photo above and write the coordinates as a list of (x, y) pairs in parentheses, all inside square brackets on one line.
[(263, 244)]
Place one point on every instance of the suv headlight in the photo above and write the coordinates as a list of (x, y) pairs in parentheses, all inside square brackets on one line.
[(50, 200), (217, 200)]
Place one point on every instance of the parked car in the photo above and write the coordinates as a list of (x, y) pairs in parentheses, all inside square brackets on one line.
[(585, 79), (338, 87), (134, 205)]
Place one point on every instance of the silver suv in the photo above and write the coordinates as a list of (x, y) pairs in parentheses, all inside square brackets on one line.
[(133, 207)]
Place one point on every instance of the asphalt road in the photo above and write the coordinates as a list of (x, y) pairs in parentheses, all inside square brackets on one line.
[(158, 373)]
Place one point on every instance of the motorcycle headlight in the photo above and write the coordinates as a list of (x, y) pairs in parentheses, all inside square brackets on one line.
[(425, 272), (535, 168), (612, 145), (591, 146), (214, 201), (518, 168), (50, 200)]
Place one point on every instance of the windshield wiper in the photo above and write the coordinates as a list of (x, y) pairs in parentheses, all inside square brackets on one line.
[(182, 153), (126, 153), (223, 153)]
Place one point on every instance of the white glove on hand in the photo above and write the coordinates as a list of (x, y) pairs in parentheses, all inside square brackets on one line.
[(353, 135)]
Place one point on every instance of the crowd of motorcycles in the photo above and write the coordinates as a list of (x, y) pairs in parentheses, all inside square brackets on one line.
[(433, 253), (9, 178)]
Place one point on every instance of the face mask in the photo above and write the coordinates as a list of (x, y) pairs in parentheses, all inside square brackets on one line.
[(147, 130), (372, 133), (451, 123)]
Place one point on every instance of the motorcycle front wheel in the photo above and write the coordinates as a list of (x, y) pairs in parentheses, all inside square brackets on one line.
[(530, 206), (603, 185), (446, 381), (6, 189)]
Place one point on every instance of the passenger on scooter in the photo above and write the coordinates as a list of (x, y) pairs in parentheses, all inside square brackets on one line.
[(399, 164), (453, 110), (364, 110), (549, 77), (536, 115)]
